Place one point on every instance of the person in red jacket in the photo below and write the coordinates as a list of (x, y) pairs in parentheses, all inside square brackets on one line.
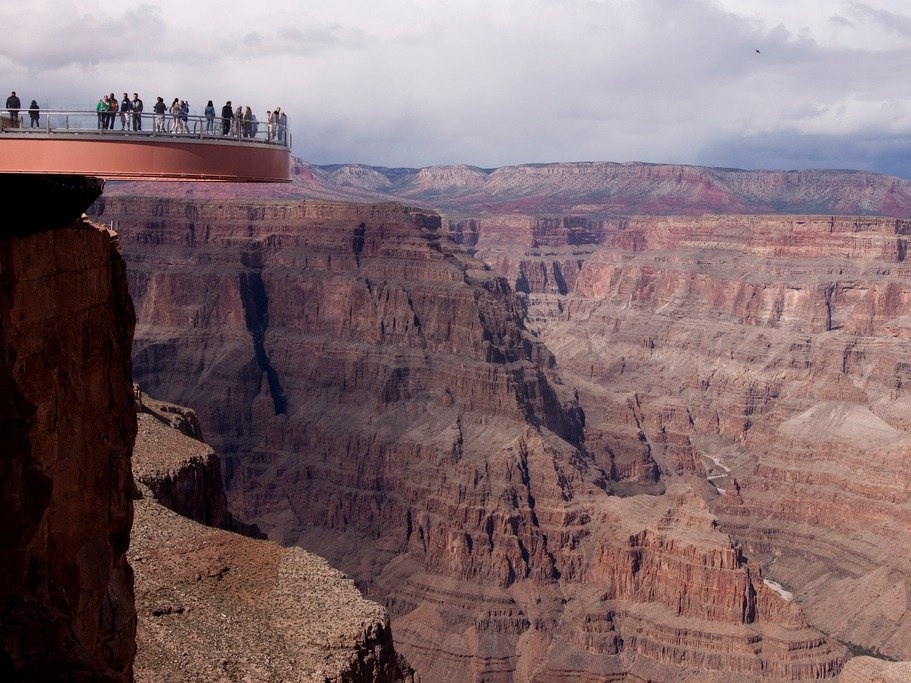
[(112, 110)]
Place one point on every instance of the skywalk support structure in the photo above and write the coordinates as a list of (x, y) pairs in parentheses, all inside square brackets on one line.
[(62, 147)]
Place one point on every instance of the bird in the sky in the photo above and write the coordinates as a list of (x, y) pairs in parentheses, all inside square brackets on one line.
[(758, 52)]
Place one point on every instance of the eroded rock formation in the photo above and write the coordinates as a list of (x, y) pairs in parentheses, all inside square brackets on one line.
[(381, 401), (214, 605), (766, 355), (182, 472), (67, 424)]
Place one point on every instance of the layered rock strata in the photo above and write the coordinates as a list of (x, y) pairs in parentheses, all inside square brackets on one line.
[(67, 425), (593, 189), (214, 605), (381, 401), (766, 356)]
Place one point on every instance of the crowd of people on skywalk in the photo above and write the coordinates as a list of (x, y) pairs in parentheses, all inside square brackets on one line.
[(236, 123)]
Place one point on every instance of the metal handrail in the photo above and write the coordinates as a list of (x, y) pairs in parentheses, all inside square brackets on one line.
[(158, 126)]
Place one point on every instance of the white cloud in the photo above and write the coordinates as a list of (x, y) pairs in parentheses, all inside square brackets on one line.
[(402, 82)]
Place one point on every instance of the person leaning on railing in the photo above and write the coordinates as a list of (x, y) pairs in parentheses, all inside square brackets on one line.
[(34, 113)]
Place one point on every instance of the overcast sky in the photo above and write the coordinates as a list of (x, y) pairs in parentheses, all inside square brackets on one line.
[(498, 82)]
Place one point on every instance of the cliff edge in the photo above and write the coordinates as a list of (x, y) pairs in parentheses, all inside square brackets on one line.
[(215, 605), (67, 423)]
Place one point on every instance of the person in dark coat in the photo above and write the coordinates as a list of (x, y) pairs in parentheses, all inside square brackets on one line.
[(33, 113), (160, 108), (126, 112), (248, 123), (184, 116), (12, 106), (227, 113), (137, 112)]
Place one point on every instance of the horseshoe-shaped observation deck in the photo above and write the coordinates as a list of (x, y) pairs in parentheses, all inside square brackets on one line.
[(74, 143)]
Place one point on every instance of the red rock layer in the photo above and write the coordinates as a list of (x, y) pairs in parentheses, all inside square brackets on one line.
[(67, 423), (383, 404)]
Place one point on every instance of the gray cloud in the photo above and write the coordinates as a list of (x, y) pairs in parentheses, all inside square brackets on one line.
[(70, 36), (866, 151), (494, 82)]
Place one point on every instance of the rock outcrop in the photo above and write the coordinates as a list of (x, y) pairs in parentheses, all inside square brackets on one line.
[(181, 471), (380, 400), (214, 605), (67, 423)]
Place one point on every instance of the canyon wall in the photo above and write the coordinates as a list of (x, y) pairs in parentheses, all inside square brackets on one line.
[(67, 424), (380, 400), (766, 357)]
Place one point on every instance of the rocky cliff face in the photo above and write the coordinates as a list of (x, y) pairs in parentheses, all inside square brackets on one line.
[(214, 605), (766, 356), (382, 402), (67, 425)]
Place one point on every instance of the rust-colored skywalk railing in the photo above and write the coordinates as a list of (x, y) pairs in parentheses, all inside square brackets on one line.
[(144, 147)]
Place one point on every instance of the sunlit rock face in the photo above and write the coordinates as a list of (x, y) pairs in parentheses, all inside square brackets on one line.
[(67, 424), (382, 400)]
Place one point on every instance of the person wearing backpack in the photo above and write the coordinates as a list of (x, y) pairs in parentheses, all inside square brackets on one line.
[(184, 115)]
